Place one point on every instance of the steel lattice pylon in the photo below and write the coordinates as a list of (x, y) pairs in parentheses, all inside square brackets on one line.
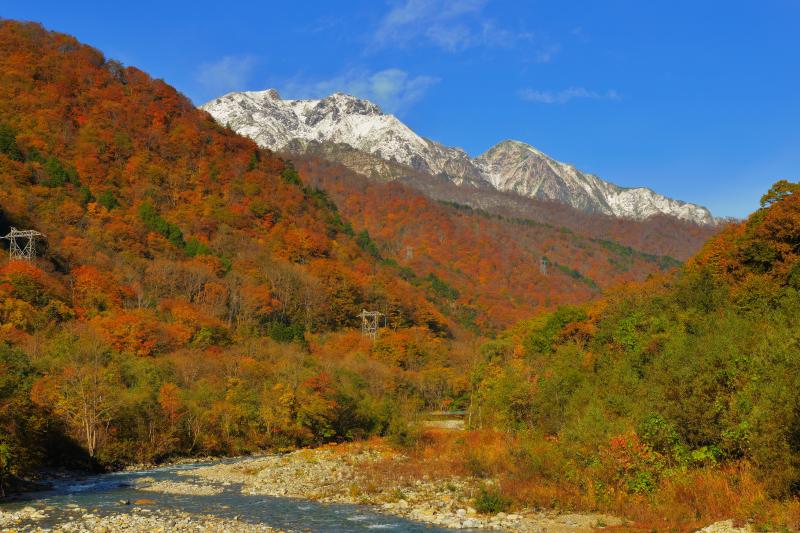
[(370, 322), (22, 243)]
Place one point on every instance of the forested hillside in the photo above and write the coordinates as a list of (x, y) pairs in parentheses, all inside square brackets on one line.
[(111, 164), (483, 269), (184, 298), (675, 400), (658, 235)]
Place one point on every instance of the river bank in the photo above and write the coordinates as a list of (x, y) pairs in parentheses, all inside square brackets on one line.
[(354, 487), (372, 474), (136, 520), (170, 498)]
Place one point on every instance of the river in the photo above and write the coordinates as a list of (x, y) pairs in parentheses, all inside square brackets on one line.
[(106, 494)]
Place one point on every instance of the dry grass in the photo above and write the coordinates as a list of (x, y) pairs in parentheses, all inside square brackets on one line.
[(684, 501), (700, 497)]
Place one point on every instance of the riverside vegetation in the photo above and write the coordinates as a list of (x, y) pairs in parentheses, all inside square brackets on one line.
[(197, 297), (371, 473)]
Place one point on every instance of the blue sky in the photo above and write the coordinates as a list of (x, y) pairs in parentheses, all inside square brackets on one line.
[(699, 100)]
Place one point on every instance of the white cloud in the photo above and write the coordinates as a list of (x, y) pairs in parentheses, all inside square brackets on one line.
[(394, 90), (230, 73), (452, 38), (452, 25), (546, 54), (564, 96)]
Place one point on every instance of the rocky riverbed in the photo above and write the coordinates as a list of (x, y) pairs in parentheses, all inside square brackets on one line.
[(169, 498), (365, 475), (348, 488), (137, 519), (177, 487), (727, 526)]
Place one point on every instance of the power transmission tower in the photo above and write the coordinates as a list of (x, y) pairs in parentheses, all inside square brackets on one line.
[(22, 243), (370, 322), (543, 266)]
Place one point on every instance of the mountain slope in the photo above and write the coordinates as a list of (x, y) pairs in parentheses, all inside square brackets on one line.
[(193, 295), (510, 166), (516, 167), (672, 383), (274, 123), (129, 173), (124, 175), (484, 269), (661, 235)]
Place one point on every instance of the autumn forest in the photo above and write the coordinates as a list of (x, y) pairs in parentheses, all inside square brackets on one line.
[(197, 295)]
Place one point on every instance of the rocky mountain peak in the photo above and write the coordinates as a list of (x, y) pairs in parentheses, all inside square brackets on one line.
[(509, 166), (338, 106), (352, 104), (273, 94)]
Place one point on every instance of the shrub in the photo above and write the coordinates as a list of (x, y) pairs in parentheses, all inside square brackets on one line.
[(403, 433), (491, 501), (632, 464)]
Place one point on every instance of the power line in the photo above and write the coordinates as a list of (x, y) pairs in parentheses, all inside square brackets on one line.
[(22, 243)]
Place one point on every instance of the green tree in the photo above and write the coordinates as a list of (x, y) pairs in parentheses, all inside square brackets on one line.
[(8, 143), (85, 389), (154, 222), (781, 189), (108, 200)]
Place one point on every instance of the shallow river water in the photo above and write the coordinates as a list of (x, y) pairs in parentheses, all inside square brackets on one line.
[(102, 495)]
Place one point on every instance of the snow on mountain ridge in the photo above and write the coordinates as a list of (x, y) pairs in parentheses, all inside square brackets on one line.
[(340, 118), (510, 166)]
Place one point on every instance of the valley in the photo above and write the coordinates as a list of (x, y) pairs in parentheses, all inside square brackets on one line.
[(182, 345)]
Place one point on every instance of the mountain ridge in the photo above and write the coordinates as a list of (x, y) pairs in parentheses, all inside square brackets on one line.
[(509, 166)]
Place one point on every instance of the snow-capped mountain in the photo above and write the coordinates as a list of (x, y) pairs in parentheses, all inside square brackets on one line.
[(333, 124), (340, 118), (513, 166)]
